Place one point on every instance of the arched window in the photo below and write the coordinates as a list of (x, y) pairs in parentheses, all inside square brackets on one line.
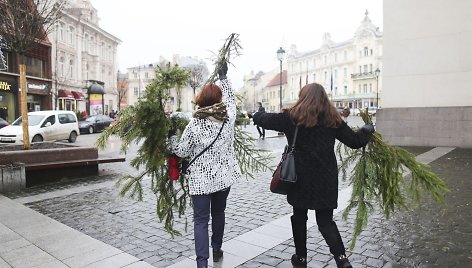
[(71, 69), (61, 67), (366, 51)]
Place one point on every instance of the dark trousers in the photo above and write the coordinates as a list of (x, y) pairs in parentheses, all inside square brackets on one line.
[(202, 205), (326, 226), (261, 131)]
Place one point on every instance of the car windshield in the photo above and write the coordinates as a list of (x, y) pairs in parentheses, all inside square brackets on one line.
[(91, 119), (33, 120)]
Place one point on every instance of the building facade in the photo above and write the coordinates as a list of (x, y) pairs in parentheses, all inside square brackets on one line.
[(427, 96), (38, 80), (140, 76), (345, 69), (83, 53)]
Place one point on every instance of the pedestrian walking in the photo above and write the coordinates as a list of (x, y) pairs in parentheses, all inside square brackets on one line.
[(212, 173), (260, 129), (319, 125)]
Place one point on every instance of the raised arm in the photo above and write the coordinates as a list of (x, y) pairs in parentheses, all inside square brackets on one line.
[(229, 98), (354, 139)]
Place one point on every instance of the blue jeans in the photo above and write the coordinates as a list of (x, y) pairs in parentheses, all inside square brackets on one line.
[(202, 204)]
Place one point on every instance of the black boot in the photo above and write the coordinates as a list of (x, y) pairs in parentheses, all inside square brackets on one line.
[(342, 262), (298, 261), (217, 255), (299, 235)]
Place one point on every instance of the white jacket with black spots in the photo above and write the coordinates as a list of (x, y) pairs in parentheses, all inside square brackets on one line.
[(217, 168)]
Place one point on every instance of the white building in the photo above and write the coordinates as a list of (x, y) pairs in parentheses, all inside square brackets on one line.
[(427, 96), (81, 52), (140, 76), (345, 69)]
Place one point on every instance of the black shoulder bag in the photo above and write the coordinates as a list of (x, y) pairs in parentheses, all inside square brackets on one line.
[(185, 164), (285, 175)]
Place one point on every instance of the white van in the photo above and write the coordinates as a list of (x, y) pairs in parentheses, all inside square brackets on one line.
[(43, 126)]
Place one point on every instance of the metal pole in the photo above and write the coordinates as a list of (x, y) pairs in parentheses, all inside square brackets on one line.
[(280, 93)]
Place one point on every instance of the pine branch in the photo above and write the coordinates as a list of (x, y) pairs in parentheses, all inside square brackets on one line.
[(379, 176)]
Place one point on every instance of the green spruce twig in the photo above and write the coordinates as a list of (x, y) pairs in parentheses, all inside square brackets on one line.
[(379, 176)]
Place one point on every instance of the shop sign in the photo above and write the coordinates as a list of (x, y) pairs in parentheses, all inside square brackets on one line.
[(9, 86), (38, 86)]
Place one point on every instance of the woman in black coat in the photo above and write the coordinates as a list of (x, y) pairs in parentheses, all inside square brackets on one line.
[(319, 125)]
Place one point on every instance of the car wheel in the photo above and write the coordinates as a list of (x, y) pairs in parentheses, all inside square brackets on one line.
[(90, 130), (72, 137), (37, 138)]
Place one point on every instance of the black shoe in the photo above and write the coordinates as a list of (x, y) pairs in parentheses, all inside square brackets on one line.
[(298, 261), (217, 255), (342, 262)]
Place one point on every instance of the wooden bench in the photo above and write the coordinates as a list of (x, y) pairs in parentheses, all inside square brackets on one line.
[(72, 163)]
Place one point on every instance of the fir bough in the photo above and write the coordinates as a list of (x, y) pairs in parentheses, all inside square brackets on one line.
[(148, 123), (386, 175)]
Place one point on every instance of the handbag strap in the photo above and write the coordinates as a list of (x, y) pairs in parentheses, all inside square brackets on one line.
[(294, 139), (208, 147)]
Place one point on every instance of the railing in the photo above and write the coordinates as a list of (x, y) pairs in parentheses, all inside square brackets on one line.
[(365, 75)]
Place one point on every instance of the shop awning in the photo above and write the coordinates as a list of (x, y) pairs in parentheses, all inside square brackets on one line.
[(78, 95), (65, 94)]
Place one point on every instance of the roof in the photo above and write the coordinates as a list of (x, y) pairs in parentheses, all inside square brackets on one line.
[(276, 80)]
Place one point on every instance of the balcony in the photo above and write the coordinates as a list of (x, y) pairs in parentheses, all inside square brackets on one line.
[(361, 76)]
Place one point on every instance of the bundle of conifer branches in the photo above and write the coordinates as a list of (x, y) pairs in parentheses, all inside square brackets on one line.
[(148, 124), (386, 176)]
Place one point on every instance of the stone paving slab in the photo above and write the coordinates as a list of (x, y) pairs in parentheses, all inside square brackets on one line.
[(30, 239)]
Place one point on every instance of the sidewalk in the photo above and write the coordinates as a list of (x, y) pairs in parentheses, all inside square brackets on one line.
[(89, 226)]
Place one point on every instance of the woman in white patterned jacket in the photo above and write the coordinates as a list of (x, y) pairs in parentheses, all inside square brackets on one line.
[(212, 173)]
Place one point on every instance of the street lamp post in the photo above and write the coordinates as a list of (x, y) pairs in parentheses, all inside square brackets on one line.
[(280, 56), (377, 73)]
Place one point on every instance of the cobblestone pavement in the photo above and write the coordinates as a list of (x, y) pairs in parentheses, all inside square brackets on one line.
[(428, 236)]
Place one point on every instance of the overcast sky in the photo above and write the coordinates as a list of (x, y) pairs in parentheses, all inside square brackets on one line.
[(149, 29)]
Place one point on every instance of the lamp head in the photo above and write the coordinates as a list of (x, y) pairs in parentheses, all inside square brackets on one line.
[(280, 54)]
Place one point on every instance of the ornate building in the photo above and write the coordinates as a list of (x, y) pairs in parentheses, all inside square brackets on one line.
[(83, 55), (140, 76), (345, 69)]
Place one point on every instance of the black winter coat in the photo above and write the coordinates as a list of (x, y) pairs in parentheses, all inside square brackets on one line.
[(315, 160)]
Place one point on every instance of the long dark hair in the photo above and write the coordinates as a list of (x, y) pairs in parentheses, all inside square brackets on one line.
[(313, 107)]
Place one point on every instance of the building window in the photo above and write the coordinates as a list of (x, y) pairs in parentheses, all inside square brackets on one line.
[(371, 52), (360, 69), (325, 75), (71, 36), (136, 92), (135, 75), (335, 74), (370, 68), (325, 59), (34, 67), (365, 88), (61, 67), (370, 88), (71, 69), (345, 89), (61, 31), (314, 64), (345, 72), (314, 78), (360, 90), (85, 43), (345, 55), (366, 51), (365, 68)]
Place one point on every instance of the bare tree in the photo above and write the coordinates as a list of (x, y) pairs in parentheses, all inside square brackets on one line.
[(24, 24), (121, 89), (197, 76)]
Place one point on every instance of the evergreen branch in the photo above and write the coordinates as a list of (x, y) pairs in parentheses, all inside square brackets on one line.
[(379, 176)]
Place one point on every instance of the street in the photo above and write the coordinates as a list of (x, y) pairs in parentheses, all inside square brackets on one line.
[(427, 236)]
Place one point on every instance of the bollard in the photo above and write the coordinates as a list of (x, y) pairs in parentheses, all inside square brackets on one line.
[(12, 177)]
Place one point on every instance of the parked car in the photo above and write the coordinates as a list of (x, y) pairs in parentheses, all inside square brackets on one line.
[(43, 126), (372, 111), (95, 123), (3, 123)]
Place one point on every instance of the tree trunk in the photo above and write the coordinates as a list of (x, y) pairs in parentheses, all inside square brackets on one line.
[(24, 107)]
